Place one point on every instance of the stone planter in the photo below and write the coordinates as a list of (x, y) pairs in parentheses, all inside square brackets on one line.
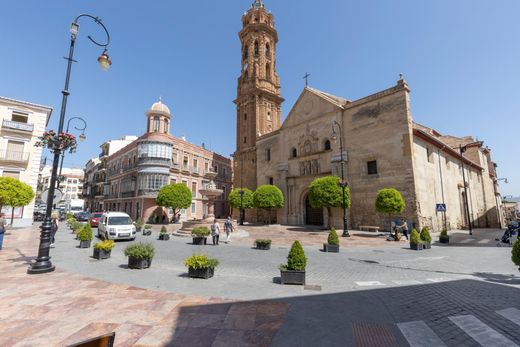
[(427, 245), (417, 247), (200, 240), (292, 277), (263, 246), (330, 248), (201, 273), (164, 237), (100, 254), (84, 244), (147, 232), (444, 239), (139, 264)]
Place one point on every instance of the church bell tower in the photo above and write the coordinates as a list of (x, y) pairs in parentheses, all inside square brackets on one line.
[(258, 99)]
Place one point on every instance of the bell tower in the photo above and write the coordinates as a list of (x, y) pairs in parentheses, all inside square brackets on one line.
[(258, 99)]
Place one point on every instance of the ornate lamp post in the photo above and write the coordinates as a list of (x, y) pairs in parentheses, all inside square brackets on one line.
[(43, 263), (82, 137), (343, 184)]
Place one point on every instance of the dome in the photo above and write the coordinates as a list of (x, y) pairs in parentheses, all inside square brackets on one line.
[(159, 108)]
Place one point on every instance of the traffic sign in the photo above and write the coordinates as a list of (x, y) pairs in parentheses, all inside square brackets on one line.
[(441, 208), (57, 195)]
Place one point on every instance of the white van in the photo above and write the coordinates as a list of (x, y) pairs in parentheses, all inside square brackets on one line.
[(116, 226)]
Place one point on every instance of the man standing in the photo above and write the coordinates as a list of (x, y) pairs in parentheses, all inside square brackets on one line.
[(215, 232), (3, 224), (404, 227), (228, 228)]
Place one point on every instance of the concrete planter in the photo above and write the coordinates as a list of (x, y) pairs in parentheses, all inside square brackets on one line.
[(139, 264), (427, 245), (84, 244), (263, 246), (292, 277), (200, 240), (417, 247), (100, 254), (330, 248), (444, 239), (164, 237), (201, 273)]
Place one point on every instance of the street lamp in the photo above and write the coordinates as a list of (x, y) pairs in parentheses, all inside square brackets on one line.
[(462, 150), (343, 184), (43, 262), (81, 137)]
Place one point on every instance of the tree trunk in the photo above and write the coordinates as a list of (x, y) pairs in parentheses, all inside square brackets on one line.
[(329, 215), (12, 216)]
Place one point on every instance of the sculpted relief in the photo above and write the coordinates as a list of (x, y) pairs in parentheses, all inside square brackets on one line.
[(309, 167)]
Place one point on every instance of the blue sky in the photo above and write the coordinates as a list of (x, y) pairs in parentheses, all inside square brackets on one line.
[(461, 59)]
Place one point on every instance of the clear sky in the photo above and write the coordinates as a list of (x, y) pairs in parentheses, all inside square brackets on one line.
[(460, 58)]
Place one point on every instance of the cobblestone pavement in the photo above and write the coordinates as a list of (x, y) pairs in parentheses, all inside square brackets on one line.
[(383, 295)]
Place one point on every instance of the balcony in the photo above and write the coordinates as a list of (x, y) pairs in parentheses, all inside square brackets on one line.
[(152, 193), (185, 168), (195, 170), (176, 166), (130, 194), (154, 161), (14, 156), (25, 127)]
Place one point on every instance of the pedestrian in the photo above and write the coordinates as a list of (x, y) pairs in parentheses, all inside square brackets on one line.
[(54, 227), (3, 225), (228, 228), (404, 227), (215, 232)]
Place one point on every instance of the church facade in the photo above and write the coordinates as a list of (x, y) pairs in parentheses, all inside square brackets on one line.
[(382, 148)]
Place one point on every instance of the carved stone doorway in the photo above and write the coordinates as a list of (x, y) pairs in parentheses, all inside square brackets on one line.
[(313, 216)]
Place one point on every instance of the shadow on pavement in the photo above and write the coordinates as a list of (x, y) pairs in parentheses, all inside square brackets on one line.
[(498, 278)]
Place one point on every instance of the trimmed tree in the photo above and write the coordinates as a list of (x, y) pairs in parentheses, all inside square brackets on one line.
[(175, 196), (268, 197), (14, 193), (515, 253), (390, 201), (296, 259), (326, 192), (247, 198)]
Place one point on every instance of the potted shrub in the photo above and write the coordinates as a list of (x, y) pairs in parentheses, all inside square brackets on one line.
[(102, 249), (426, 238), (199, 235), (139, 225), (294, 271), (444, 237), (515, 253), (200, 266), (263, 244), (163, 234), (415, 240), (332, 244), (147, 230), (139, 255), (85, 236)]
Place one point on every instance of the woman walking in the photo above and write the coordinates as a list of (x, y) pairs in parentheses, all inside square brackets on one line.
[(54, 227), (215, 232)]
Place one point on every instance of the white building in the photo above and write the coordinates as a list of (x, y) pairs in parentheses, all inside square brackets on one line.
[(72, 184), (22, 123)]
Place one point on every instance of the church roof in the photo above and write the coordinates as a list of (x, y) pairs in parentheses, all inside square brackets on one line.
[(332, 98)]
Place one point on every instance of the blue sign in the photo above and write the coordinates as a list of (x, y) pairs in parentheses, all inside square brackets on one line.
[(441, 208)]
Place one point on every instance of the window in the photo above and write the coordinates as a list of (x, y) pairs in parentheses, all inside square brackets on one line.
[(156, 124), (206, 166), (326, 145), (267, 50), (429, 155), (245, 116), (165, 130), (185, 182), (224, 171), (154, 150), (245, 53), (185, 161), (193, 208), (257, 49), (195, 163), (14, 150), (194, 189), (16, 174), (19, 117), (216, 168), (224, 193), (372, 167), (268, 154), (294, 153), (447, 162), (268, 115), (245, 139), (268, 71), (271, 180), (149, 182)]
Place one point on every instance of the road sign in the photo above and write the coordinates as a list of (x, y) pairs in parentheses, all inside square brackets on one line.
[(441, 208), (57, 195)]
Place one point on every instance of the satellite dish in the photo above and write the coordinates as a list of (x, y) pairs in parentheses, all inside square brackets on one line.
[(58, 195)]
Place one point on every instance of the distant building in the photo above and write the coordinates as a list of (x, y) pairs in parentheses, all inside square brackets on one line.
[(22, 123), (95, 174), (71, 184), (136, 173), (511, 209)]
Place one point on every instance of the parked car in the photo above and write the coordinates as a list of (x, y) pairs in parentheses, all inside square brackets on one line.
[(95, 218), (82, 217), (116, 226)]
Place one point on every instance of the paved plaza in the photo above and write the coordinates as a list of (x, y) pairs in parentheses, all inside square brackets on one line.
[(379, 295)]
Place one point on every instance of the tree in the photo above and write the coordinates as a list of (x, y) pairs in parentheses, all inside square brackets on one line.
[(176, 196), (268, 197), (14, 193), (247, 198), (326, 192), (390, 201)]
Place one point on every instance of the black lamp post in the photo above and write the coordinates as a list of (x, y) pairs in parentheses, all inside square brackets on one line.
[(43, 262), (462, 150), (343, 184), (82, 137)]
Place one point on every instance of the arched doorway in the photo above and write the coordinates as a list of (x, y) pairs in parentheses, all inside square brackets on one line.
[(313, 216)]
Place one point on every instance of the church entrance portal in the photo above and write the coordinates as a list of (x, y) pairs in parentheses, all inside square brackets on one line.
[(313, 216)]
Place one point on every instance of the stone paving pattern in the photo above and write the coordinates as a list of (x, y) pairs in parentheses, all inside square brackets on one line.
[(61, 308)]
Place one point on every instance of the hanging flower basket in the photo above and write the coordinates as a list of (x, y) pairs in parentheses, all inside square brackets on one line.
[(57, 142)]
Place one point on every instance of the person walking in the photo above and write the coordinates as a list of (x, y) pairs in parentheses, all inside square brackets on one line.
[(228, 228), (215, 232), (404, 227), (54, 227), (3, 225)]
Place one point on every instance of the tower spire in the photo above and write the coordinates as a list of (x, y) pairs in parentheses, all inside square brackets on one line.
[(257, 4)]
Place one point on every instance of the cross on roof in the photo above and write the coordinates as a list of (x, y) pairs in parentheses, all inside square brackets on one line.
[(306, 77)]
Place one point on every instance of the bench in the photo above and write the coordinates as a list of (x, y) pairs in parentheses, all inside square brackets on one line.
[(368, 228)]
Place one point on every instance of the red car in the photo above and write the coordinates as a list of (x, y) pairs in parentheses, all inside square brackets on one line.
[(95, 218)]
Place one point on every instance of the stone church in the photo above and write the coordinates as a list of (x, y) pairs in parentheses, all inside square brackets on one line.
[(382, 147)]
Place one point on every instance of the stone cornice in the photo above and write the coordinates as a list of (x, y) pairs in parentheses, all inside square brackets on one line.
[(378, 95)]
